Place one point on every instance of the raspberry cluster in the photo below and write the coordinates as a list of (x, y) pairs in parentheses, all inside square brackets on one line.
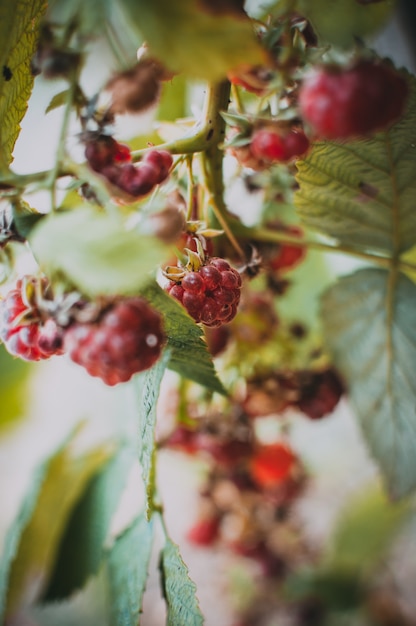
[(341, 103), (23, 331), (210, 293), (127, 338), (112, 160)]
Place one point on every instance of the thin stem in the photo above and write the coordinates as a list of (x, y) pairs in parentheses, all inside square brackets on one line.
[(238, 103), (191, 189)]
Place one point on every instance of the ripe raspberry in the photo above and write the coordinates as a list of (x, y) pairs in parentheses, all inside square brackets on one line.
[(319, 393), (127, 338), (270, 146), (211, 293), (24, 333), (205, 531), (272, 464), (104, 150), (342, 103), (287, 256)]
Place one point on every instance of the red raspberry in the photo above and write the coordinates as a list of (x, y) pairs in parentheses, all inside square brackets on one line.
[(320, 393), (210, 294), (287, 256), (341, 103), (161, 160), (127, 338), (272, 464), (24, 333), (104, 150), (270, 146), (205, 531)]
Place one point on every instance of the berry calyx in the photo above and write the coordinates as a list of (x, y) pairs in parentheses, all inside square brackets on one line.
[(210, 292), (341, 103), (23, 330), (125, 339)]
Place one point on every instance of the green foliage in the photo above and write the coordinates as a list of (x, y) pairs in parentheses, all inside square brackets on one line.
[(342, 22), (19, 22), (193, 38), (362, 192), (179, 590), (189, 354), (14, 533), (14, 375), (66, 476), (128, 563), (82, 547), (365, 531), (370, 325), (148, 387), (95, 252), (91, 17)]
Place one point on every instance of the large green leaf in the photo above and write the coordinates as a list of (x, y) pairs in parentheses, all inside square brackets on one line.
[(95, 251), (369, 319), (193, 38), (128, 563), (148, 388), (19, 22), (179, 590), (67, 474), (81, 548), (362, 192), (344, 21), (189, 354)]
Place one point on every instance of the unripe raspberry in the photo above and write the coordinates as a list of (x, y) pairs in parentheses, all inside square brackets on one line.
[(127, 338)]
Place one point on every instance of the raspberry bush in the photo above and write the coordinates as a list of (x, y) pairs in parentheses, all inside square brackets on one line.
[(211, 161)]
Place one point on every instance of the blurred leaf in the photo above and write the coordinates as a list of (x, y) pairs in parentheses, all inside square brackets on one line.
[(91, 16), (81, 548), (344, 21), (365, 531), (19, 23), (369, 319), (13, 535), (362, 192), (189, 354), (148, 388), (67, 475), (335, 590), (95, 252), (178, 589), (173, 103), (192, 38), (14, 375), (25, 217), (128, 563)]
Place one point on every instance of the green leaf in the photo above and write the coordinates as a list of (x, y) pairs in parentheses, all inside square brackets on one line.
[(14, 379), (67, 475), (25, 217), (369, 319), (344, 21), (91, 16), (189, 354), (148, 387), (12, 538), (128, 563), (173, 102), (95, 251), (367, 526), (362, 192), (178, 589), (190, 37), (19, 23), (81, 548)]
